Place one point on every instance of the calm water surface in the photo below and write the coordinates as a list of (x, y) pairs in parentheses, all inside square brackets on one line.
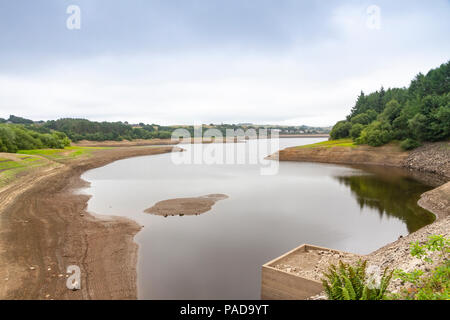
[(218, 255)]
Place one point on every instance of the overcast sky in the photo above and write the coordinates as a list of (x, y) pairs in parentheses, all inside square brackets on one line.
[(202, 61)]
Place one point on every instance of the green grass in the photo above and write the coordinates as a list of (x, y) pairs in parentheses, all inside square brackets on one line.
[(10, 168), (62, 154), (25, 160), (6, 164), (330, 144)]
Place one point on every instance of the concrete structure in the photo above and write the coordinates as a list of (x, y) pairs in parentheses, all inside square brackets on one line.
[(280, 285)]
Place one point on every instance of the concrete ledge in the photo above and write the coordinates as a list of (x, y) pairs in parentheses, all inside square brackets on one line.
[(281, 285)]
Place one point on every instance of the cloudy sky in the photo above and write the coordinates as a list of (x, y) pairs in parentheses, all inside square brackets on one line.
[(191, 61)]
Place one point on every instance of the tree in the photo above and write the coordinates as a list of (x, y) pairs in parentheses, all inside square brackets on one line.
[(420, 112), (375, 134), (356, 130), (19, 120), (362, 118), (341, 130), (391, 111), (418, 126)]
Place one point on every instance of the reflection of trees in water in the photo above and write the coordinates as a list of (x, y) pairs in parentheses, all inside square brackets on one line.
[(394, 196)]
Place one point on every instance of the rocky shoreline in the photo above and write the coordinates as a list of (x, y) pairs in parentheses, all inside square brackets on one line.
[(432, 158)]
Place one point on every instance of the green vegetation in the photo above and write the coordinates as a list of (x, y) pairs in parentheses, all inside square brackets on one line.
[(11, 167), (81, 129), (346, 282), (62, 154), (409, 144), (18, 120), (412, 115), (15, 164), (432, 285), (330, 144), (14, 137)]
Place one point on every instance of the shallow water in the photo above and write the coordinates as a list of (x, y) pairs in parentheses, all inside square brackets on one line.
[(219, 254)]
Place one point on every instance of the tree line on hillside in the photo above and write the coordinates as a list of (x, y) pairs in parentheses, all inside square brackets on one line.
[(411, 115), (82, 129), (14, 137)]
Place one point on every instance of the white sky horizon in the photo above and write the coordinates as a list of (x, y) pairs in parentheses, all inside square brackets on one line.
[(179, 63)]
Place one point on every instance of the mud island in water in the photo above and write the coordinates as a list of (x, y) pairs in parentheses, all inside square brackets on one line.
[(186, 206)]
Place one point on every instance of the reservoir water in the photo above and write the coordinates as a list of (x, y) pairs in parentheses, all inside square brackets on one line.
[(219, 254)]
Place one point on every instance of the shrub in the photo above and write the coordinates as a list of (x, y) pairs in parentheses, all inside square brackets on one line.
[(409, 144), (341, 130), (14, 137), (356, 130), (375, 134), (434, 285), (346, 282), (362, 118)]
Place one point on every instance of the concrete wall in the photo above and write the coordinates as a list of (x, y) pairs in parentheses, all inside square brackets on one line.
[(280, 285)]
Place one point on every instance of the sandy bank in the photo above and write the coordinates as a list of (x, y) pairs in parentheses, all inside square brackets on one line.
[(45, 228), (386, 155), (157, 142), (186, 206), (125, 143), (431, 158), (150, 142)]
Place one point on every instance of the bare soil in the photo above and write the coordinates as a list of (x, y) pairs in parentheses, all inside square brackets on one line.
[(186, 206), (125, 143), (45, 228), (388, 155), (150, 142)]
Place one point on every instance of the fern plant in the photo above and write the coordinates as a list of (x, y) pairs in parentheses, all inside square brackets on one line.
[(346, 282), (433, 284)]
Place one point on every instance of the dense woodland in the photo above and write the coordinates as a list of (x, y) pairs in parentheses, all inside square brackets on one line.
[(14, 137), (81, 129), (411, 115)]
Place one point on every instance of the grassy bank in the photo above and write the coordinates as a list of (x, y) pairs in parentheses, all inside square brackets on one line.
[(14, 165), (62, 154), (330, 144)]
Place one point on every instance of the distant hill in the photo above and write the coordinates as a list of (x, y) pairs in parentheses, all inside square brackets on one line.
[(83, 129)]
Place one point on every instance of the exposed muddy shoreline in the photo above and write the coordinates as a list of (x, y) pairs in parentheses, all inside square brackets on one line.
[(45, 228), (431, 158)]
